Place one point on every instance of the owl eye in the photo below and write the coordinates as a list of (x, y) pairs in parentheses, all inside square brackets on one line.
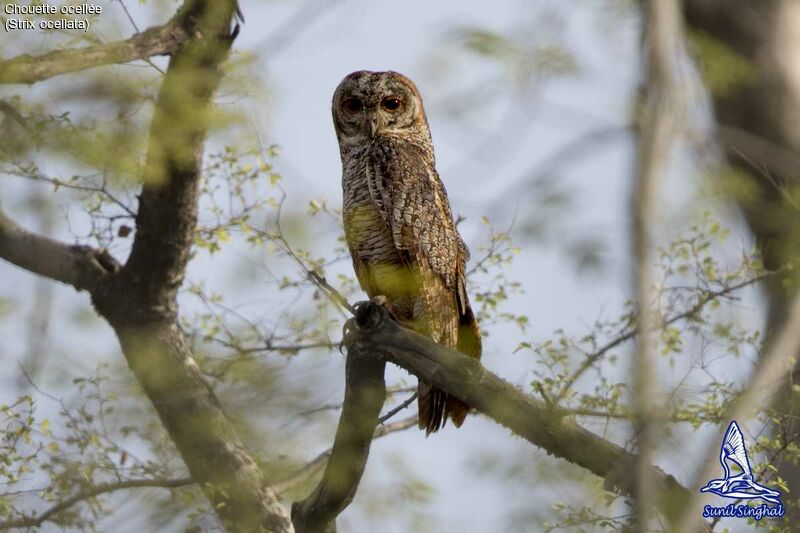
[(391, 103), (352, 104)]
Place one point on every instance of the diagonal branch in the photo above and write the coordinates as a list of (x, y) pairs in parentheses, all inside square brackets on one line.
[(544, 426), (158, 40)]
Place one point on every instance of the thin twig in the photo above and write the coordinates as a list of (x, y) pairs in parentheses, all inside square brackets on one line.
[(397, 409), (709, 297), (93, 492), (34, 175), (774, 366), (136, 27), (312, 275)]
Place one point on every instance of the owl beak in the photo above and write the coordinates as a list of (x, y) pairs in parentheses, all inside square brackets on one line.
[(372, 126)]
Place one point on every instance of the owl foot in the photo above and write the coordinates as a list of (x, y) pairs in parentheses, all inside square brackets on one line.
[(348, 332), (386, 304)]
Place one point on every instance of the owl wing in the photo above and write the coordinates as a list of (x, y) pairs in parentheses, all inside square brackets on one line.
[(407, 190), (410, 196)]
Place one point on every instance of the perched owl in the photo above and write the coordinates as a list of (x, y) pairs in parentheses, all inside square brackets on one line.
[(405, 247)]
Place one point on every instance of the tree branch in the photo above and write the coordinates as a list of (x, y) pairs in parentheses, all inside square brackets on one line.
[(139, 301), (662, 110), (546, 427), (141, 304), (93, 492), (80, 266), (702, 301), (167, 214), (365, 392), (312, 467), (158, 40)]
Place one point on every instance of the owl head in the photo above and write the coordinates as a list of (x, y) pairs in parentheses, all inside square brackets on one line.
[(369, 104)]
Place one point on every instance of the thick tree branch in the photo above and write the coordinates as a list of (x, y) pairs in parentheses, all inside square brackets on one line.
[(139, 300), (80, 266), (549, 428), (167, 214), (365, 392), (311, 468), (141, 303), (89, 493), (155, 41)]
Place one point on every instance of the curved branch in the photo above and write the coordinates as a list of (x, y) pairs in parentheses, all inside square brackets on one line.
[(546, 427), (365, 392), (312, 467)]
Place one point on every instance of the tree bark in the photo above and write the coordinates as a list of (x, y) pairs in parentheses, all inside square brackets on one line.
[(365, 392), (544, 426), (139, 299)]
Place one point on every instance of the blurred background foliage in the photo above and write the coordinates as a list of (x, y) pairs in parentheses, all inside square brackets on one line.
[(533, 108)]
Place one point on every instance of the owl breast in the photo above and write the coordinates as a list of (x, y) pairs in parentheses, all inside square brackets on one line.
[(367, 234), (380, 266)]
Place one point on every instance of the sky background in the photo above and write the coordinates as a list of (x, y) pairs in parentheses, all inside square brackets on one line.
[(496, 137)]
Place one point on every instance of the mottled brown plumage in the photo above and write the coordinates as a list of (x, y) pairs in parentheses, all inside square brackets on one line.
[(398, 223)]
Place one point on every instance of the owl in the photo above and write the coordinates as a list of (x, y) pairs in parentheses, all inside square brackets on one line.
[(406, 250)]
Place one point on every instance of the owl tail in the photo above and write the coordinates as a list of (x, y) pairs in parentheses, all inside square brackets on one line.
[(435, 405)]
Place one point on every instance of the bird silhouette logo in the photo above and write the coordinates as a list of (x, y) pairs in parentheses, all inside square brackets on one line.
[(739, 486)]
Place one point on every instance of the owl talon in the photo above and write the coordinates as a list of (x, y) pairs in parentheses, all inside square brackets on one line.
[(384, 302), (348, 332)]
